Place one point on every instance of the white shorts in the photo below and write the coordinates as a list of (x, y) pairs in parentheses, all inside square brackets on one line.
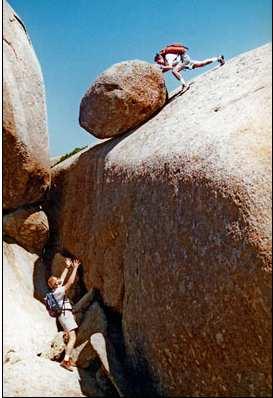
[(67, 321), (186, 62)]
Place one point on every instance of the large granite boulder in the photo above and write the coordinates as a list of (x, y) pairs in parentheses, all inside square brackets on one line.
[(28, 227), (173, 225), (25, 138), (121, 98)]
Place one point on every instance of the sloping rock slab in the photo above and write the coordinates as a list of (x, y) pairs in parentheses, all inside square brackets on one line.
[(173, 225), (39, 377)]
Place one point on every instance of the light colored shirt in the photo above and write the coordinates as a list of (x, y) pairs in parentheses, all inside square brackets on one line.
[(173, 59), (59, 294)]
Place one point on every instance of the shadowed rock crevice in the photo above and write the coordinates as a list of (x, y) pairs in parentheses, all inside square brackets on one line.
[(92, 317), (111, 86)]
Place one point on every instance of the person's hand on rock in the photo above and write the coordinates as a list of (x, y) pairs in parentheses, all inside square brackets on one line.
[(76, 263)]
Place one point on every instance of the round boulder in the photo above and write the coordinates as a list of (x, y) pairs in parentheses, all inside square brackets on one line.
[(28, 227), (121, 98)]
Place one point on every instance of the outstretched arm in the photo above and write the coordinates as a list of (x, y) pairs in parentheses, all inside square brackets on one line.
[(165, 68), (65, 271), (163, 63), (72, 277)]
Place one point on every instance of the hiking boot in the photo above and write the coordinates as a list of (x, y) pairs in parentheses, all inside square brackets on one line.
[(66, 365), (184, 88), (221, 60)]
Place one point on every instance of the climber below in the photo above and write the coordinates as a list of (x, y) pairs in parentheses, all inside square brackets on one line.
[(174, 57), (66, 318)]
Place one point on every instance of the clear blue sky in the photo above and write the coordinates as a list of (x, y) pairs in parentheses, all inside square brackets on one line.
[(75, 40)]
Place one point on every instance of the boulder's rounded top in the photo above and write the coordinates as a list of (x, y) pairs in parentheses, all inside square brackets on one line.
[(121, 98)]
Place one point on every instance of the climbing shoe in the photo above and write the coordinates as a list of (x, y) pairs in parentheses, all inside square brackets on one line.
[(67, 365), (221, 60), (184, 88)]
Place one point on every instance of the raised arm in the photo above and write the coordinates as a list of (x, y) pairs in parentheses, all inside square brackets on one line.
[(65, 271), (72, 277)]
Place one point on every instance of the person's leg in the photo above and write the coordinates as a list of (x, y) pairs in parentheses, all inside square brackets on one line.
[(200, 64), (66, 337), (67, 362), (70, 345), (165, 68), (176, 72)]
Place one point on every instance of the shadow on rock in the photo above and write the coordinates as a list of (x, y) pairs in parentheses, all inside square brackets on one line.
[(40, 276)]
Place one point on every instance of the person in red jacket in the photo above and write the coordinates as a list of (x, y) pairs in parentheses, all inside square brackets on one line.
[(175, 58)]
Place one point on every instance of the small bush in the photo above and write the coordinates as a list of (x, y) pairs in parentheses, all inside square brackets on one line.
[(67, 155)]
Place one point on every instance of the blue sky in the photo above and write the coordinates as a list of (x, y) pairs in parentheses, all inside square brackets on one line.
[(75, 40)]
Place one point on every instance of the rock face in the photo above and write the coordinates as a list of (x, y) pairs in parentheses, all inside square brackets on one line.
[(173, 226), (121, 98), (28, 227), (39, 377), (25, 139), (25, 318), (27, 327), (28, 330)]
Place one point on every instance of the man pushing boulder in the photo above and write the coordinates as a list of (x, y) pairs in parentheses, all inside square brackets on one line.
[(174, 57)]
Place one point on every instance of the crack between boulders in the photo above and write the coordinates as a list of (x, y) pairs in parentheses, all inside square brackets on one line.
[(35, 205), (10, 44)]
